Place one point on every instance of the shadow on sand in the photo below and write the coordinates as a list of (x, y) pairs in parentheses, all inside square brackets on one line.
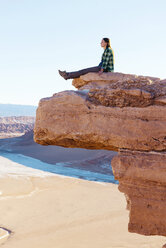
[(60, 168)]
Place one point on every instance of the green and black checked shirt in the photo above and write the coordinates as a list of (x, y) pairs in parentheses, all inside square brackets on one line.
[(108, 60)]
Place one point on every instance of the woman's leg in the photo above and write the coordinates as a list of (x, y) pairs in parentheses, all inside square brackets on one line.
[(76, 74)]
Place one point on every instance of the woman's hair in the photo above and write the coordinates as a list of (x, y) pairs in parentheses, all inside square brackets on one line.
[(107, 40)]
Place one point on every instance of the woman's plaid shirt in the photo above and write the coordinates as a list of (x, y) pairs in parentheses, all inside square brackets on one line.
[(108, 60)]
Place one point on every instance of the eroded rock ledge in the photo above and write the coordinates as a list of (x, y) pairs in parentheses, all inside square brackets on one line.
[(142, 177), (120, 112)]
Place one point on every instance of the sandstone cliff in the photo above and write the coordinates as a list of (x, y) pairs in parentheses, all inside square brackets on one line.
[(126, 113)]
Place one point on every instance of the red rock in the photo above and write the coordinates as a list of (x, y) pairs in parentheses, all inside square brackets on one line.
[(121, 112), (71, 119), (93, 80), (142, 177)]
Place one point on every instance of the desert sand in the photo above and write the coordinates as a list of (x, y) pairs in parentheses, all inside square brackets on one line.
[(47, 210)]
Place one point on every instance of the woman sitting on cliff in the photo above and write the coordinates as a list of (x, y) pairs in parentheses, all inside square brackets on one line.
[(106, 64)]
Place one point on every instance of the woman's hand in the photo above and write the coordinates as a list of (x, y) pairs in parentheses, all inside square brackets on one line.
[(101, 71)]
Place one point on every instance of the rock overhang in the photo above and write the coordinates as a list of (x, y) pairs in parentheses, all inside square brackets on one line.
[(121, 112)]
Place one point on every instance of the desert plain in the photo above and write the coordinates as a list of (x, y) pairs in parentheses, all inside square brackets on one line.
[(46, 210)]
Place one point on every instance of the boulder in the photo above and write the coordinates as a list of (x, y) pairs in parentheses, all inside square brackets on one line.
[(128, 114), (121, 112)]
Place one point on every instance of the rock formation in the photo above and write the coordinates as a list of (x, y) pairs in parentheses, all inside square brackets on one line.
[(120, 112), (142, 177)]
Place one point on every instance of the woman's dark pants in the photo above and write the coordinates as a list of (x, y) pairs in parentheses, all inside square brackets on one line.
[(76, 74)]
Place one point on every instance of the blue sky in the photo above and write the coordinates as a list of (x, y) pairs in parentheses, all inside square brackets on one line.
[(39, 37)]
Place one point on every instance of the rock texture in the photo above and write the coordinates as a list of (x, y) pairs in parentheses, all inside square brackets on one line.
[(125, 113), (142, 178)]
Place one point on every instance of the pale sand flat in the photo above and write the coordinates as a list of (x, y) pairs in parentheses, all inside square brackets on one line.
[(66, 213)]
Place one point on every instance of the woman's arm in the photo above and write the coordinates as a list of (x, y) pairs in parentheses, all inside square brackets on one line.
[(101, 71)]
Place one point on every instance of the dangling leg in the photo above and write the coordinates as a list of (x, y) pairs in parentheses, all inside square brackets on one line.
[(63, 74), (76, 74)]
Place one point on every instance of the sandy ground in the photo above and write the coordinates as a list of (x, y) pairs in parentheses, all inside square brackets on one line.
[(48, 211)]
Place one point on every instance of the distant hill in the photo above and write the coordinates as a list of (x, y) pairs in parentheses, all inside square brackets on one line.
[(17, 110), (15, 125)]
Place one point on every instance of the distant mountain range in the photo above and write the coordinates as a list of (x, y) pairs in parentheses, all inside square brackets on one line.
[(17, 110), (15, 125)]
